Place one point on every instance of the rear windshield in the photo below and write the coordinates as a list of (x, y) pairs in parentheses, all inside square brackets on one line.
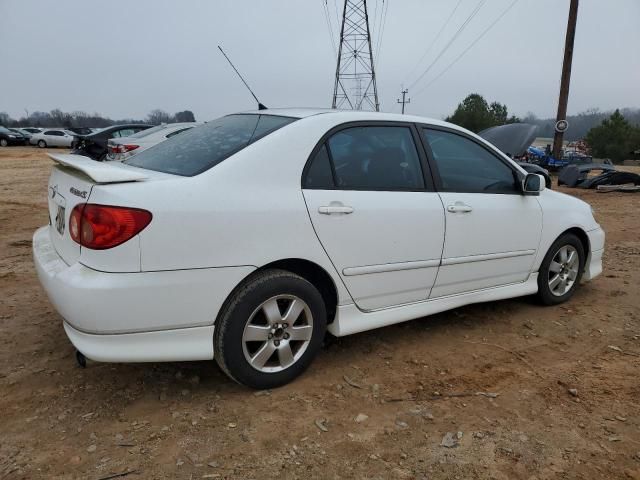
[(196, 150), (148, 131)]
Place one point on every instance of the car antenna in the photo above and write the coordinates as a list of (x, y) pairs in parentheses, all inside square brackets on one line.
[(260, 105)]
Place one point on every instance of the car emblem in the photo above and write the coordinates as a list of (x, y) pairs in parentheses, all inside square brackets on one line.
[(54, 191), (78, 193)]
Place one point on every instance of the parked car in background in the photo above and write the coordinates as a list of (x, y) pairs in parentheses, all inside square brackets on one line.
[(23, 132), (53, 137), (246, 239), (11, 137), (25, 135), (122, 148), (31, 130), (80, 130), (94, 145)]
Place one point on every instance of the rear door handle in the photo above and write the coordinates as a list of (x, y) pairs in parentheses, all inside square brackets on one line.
[(459, 207), (332, 209)]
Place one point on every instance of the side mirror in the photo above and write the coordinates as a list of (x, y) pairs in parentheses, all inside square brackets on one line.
[(533, 184)]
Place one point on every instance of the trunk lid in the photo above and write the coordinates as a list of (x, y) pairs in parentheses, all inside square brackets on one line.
[(70, 184), (67, 188)]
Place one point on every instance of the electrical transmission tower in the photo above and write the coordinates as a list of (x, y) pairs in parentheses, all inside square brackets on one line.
[(355, 61)]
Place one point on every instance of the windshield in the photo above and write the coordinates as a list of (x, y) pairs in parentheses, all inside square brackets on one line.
[(200, 148), (5, 130)]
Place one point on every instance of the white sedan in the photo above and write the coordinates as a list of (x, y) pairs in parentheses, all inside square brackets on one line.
[(120, 149), (246, 239), (52, 137)]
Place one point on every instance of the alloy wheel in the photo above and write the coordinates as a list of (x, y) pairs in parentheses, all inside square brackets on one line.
[(277, 334), (563, 270)]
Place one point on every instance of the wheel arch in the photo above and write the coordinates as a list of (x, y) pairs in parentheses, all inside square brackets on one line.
[(582, 236), (575, 230), (310, 271)]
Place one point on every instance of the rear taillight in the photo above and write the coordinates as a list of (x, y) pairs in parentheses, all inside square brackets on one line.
[(102, 226), (122, 148)]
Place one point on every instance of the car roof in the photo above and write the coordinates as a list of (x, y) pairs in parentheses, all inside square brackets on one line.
[(350, 115)]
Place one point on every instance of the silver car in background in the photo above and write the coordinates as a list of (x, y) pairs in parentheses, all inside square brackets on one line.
[(52, 137), (120, 149)]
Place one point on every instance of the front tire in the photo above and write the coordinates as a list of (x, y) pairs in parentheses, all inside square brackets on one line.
[(42, 143), (270, 329), (561, 270), (3, 142)]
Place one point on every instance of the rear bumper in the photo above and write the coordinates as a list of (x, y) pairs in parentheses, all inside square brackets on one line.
[(158, 304), (593, 266), (184, 344)]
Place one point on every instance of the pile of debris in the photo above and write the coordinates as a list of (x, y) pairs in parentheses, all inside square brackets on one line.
[(608, 180)]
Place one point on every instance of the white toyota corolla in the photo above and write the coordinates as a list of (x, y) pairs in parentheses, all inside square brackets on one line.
[(247, 238)]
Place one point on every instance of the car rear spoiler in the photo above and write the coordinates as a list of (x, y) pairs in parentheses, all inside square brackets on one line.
[(99, 172)]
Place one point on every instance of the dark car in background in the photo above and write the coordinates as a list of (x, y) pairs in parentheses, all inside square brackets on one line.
[(94, 145), (23, 132), (80, 130), (9, 137)]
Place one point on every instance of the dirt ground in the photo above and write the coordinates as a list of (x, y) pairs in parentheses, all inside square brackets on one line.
[(407, 385)]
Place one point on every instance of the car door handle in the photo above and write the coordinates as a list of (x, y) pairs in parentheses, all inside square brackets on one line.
[(459, 207), (331, 209)]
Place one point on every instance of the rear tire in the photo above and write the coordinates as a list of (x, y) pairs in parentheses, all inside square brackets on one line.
[(561, 270), (42, 144), (270, 329)]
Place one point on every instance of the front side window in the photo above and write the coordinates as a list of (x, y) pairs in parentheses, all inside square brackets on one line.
[(55, 133), (465, 166), (201, 148), (376, 158)]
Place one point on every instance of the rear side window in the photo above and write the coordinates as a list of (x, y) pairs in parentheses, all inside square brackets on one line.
[(373, 158), (465, 166), (194, 151), (319, 175)]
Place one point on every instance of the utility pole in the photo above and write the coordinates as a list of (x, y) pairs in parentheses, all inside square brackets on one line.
[(403, 101), (355, 60), (561, 118)]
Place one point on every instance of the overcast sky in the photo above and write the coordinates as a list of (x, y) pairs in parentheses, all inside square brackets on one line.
[(123, 58)]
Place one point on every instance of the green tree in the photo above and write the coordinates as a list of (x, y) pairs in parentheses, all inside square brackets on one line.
[(475, 114), (614, 138)]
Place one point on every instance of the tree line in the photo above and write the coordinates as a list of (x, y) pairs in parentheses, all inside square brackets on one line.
[(58, 118)]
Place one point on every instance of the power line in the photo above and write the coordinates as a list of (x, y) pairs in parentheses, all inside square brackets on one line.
[(478, 38), (327, 17), (435, 40), (374, 30), (335, 6), (383, 21), (453, 39)]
